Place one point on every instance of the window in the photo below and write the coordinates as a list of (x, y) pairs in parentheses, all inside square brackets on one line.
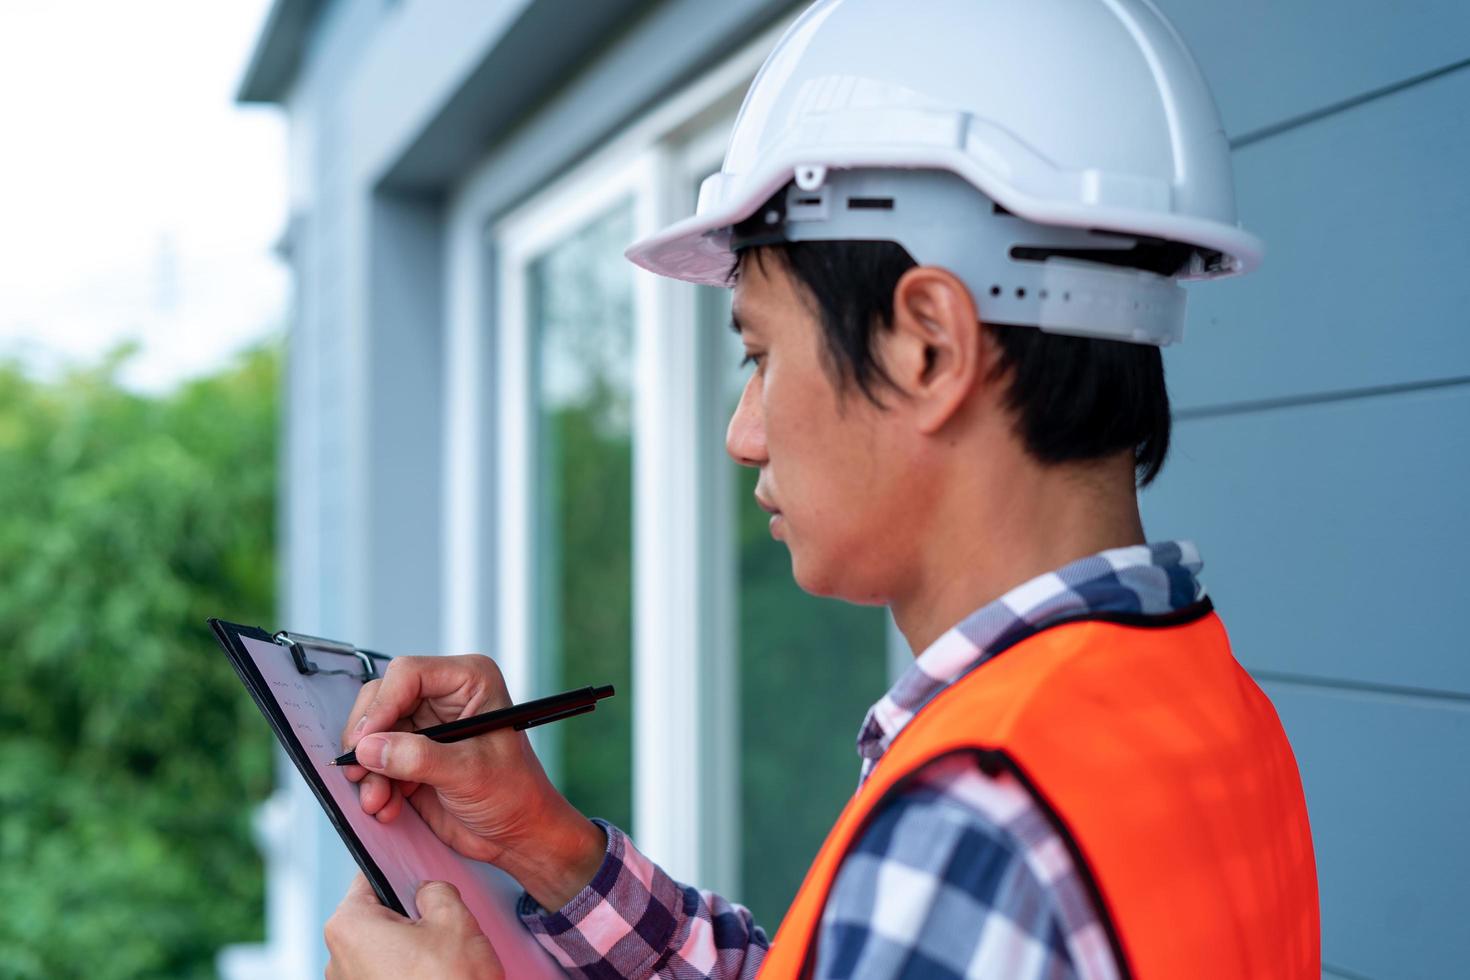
[(580, 313), (565, 358)]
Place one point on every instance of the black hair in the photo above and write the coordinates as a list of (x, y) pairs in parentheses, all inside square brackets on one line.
[(1074, 398)]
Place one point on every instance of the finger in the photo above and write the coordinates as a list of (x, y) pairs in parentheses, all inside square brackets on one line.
[(358, 715), (406, 682), (404, 725), (392, 808), (373, 793), (360, 892), (361, 905), (440, 906), (471, 680), (413, 758), (356, 773)]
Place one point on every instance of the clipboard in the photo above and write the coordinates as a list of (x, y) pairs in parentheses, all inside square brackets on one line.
[(305, 686)]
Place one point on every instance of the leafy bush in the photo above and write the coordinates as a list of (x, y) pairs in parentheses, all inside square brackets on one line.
[(130, 762)]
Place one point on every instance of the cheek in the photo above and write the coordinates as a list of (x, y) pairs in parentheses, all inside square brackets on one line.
[(823, 461), (827, 469), (798, 434)]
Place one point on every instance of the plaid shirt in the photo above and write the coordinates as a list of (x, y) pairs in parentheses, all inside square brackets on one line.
[(960, 875)]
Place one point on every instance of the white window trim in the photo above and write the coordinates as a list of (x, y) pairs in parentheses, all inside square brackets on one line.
[(519, 241), (685, 764), (686, 761), (683, 797)]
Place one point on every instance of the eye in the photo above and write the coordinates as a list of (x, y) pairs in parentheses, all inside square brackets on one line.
[(751, 357)]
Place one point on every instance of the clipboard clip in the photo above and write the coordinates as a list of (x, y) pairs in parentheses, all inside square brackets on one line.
[(299, 644)]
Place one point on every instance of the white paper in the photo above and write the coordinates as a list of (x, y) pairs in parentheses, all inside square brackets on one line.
[(406, 850)]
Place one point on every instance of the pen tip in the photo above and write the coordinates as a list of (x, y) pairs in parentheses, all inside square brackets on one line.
[(332, 763)]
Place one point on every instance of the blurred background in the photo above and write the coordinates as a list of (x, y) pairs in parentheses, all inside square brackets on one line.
[(313, 314), (141, 321)]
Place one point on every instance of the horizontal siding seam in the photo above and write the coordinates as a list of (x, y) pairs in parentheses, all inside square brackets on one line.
[(1306, 118), (1317, 398), (1458, 698)]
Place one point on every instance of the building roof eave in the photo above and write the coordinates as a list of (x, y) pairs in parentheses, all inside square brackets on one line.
[(276, 57)]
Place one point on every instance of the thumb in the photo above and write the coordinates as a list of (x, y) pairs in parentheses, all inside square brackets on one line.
[(360, 892), (439, 904), (406, 757)]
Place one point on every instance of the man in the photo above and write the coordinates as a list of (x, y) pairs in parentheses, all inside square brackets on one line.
[(953, 231)]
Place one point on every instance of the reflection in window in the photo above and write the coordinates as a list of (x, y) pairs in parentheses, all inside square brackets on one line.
[(809, 670), (581, 308)]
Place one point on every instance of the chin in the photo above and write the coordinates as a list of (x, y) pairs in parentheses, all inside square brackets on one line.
[(811, 574), (810, 580), (830, 578)]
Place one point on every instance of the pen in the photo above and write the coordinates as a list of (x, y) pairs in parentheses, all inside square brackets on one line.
[(527, 714)]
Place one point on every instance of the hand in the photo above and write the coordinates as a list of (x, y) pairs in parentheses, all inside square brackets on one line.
[(367, 940), (487, 797)]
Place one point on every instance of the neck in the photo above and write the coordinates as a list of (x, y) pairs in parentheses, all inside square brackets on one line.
[(1035, 521)]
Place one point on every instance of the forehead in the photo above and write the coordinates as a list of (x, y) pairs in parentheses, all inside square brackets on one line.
[(763, 292)]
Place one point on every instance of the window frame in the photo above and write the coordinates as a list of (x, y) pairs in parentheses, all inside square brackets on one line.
[(686, 766), (520, 239)]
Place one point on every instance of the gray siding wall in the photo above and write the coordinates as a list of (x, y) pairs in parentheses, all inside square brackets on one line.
[(1321, 456), (1323, 401), (320, 366)]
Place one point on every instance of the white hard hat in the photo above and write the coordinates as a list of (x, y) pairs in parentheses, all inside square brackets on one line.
[(1085, 125)]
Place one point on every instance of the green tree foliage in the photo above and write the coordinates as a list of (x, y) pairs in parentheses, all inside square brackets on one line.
[(130, 759), (582, 308), (592, 509)]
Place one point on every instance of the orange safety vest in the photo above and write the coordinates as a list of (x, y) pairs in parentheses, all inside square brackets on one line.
[(1163, 767)]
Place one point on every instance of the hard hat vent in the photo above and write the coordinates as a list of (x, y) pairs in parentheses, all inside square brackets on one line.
[(1063, 280), (1150, 254)]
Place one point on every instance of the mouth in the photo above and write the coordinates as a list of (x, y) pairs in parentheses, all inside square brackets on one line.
[(777, 521)]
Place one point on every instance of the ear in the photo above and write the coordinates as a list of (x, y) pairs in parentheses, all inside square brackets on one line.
[(936, 351)]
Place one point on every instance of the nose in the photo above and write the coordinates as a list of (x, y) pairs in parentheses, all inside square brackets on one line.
[(745, 439)]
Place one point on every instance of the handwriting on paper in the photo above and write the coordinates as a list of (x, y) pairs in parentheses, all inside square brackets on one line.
[(308, 717)]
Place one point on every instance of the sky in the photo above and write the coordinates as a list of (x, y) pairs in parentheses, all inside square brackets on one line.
[(137, 201)]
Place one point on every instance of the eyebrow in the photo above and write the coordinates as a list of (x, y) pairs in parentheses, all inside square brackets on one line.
[(735, 323)]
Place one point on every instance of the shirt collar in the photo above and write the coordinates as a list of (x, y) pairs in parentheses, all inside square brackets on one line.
[(1146, 578)]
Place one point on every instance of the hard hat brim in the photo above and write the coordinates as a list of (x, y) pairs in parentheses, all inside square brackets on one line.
[(697, 250)]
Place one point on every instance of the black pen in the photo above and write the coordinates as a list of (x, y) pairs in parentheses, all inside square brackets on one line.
[(528, 714)]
